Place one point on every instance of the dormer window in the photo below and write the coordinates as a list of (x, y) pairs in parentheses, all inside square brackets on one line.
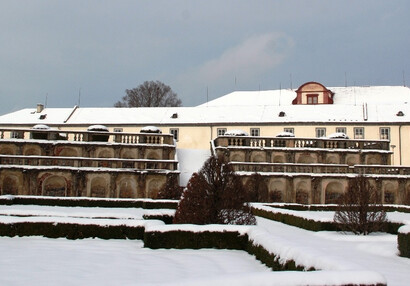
[(42, 116), (313, 93), (175, 115), (312, 98), (282, 114), (400, 113)]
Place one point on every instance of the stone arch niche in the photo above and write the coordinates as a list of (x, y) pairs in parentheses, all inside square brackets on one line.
[(307, 159), (154, 155), (302, 193), (389, 193), (128, 154), (7, 150), (68, 152), (334, 191), (153, 187), (32, 151), (373, 159), (332, 159), (127, 188), (278, 159), (276, 191), (55, 186), (99, 187), (352, 160), (105, 153), (10, 185), (237, 157), (258, 157)]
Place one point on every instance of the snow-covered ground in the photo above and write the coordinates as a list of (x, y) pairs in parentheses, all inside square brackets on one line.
[(43, 261)]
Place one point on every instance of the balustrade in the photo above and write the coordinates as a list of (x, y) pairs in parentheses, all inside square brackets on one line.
[(292, 142), (90, 136)]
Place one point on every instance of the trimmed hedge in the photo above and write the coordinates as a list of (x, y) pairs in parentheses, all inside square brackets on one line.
[(312, 225), (71, 231), (300, 207), (195, 240), (271, 260), (167, 219), (87, 202), (220, 240), (300, 222), (403, 240)]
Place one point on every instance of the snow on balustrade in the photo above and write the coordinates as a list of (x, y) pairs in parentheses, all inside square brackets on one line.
[(292, 142), (87, 136)]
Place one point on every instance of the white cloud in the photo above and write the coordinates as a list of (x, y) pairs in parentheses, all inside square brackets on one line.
[(254, 56)]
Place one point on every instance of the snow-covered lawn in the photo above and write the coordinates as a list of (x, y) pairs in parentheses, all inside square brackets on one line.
[(43, 261)]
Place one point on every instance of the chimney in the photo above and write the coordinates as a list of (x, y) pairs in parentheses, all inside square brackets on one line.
[(40, 107)]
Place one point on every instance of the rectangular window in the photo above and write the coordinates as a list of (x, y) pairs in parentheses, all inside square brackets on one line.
[(221, 131), (289, 130), (255, 132), (385, 133), (358, 132), (175, 132), (312, 98), (341, 130), (320, 132)]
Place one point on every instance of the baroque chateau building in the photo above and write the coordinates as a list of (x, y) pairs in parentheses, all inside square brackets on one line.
[(306, 143)]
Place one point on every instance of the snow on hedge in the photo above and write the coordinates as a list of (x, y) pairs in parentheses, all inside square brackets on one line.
[(405, 229)]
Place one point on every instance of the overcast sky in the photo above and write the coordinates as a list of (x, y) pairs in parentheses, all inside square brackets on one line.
[(50, 50)]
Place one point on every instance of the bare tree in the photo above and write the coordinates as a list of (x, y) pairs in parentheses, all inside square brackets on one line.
[(360, 210), (217, 193), (149, 94)]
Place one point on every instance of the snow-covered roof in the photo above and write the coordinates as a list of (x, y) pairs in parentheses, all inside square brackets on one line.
[(30, 116), (351, 105), (353, 95)]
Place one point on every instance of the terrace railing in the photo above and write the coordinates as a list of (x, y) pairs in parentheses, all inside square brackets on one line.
[(293, 142), (87, 136)]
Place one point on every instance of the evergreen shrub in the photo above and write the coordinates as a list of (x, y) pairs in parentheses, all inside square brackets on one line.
[(403, 239)]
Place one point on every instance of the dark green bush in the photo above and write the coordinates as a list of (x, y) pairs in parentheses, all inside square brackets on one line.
[(403, 240), (296, 221), (70, 231), (167, 219), (195, 240), (312, 225), (86, 202), (272, 260)]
